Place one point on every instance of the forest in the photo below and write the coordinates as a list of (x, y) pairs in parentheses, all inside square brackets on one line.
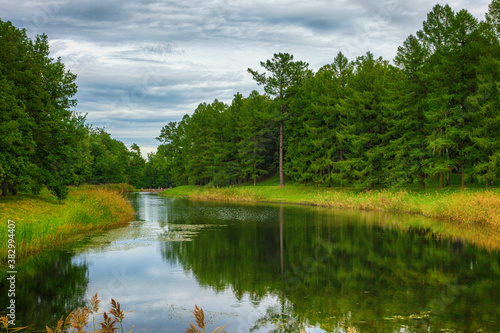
[(361, 122), (44, 143)]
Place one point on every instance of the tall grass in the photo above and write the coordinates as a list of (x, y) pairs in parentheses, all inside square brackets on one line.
[(41, 222), (478, 207)]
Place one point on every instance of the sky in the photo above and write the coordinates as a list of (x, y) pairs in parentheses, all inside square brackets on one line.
[(143, 63)]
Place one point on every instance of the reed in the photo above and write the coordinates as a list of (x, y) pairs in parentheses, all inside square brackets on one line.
[(226, 194), (200, 326), (78, 320), (42, 222)]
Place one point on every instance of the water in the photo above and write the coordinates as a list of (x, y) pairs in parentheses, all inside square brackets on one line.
[(261, 268)]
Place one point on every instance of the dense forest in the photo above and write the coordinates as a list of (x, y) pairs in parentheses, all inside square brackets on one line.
[(43, 142), (363, 122)]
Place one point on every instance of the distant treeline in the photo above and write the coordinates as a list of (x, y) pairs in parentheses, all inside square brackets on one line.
[(44, 143), (361, 122)]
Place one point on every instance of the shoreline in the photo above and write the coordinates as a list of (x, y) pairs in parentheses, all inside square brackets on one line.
[(42, 223), (480, 208), (447, 214)]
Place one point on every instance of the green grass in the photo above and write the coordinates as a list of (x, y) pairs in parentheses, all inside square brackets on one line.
[(42, 222), (472, 206)]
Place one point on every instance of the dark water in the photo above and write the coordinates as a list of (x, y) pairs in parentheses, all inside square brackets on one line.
[(268, 268)]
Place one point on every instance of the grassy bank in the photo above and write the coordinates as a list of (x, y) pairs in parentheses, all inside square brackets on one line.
[(41, 222), (464, 207)]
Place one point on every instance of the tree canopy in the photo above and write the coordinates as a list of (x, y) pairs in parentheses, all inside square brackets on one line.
[(362, 122)]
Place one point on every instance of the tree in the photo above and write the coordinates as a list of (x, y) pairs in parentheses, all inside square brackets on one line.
[(408, 148), (493, 20), (255, 131), (174, 149), (136, 166), (366, 123), (284, 76), (156, 172), (52, 136), (455, 41), (110, 158)]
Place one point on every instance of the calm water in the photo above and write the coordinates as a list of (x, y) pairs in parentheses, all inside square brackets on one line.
[(264, 268)]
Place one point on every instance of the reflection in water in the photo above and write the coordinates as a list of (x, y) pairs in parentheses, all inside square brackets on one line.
[(47, 287), (267, 268), (331, 268)]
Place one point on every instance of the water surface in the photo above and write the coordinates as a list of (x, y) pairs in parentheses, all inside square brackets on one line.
[(264, 268)]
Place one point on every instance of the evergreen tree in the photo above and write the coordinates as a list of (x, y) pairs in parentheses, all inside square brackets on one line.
[(408, 148), (365, 125), (285, 75), (255, 130)]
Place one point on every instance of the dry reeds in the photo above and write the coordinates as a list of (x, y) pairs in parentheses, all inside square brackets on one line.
[(78, 320), (199, 315), (225, 194)]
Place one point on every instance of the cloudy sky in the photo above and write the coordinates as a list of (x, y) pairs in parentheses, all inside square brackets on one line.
[(143, 63)]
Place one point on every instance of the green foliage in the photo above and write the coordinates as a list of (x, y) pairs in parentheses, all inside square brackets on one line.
[(364, 123), (283, 79), (44, 141), (220, 145), (110, 158)]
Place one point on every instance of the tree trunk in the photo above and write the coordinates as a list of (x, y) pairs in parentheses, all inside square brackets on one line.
[(448, 179), (441, 180), (5, 188), (255, 181), (422, 181), (305, 183), (463, 176), (282, 176), (487, 183)]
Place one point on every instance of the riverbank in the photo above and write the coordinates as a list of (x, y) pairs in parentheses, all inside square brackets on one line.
[(464, 207), (41, 222)]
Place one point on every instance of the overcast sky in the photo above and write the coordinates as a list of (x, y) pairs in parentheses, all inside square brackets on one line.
[(141, 64)]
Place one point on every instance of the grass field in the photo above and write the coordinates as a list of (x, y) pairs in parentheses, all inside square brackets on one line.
[(41, 222), (471, 206)]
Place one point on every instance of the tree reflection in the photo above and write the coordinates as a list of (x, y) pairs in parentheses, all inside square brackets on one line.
[(332, 270), (48, 286)]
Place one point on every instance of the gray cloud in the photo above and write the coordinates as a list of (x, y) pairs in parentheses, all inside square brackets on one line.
[(142, 63)]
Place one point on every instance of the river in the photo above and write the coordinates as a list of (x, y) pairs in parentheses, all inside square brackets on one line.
[(264, 267)]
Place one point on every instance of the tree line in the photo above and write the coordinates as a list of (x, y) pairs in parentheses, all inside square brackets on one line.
[(43, 142), (361, 122)]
